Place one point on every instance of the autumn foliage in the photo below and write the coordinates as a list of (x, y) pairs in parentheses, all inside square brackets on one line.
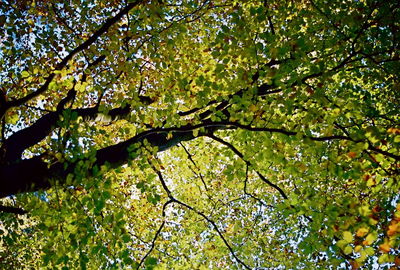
[(199, 134)]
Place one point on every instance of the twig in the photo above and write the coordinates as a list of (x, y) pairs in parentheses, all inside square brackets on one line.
[(249, 194), (36, 108), (195, 165), (152, 244)]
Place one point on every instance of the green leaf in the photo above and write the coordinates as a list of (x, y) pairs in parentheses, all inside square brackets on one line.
[(150, 261), (126, 238)]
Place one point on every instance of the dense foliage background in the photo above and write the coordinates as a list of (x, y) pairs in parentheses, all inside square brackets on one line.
[(199, 134)]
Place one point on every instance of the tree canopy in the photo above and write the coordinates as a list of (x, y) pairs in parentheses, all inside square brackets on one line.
[(199, 134)]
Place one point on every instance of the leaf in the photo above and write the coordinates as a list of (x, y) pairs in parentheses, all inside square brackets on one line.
[(361, 232), (348, 236), (126, 238), (347, 250), (342, 243), (385, 247), (150, 261), (371, 237), (384, 258), (12, 118), (25, 74), (241, 127)]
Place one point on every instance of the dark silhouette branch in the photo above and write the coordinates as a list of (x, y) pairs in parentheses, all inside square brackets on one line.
[(385, 153), (262, 90), (249, 194), (21, 140), (190, 157), (217, 230), (210, 221), (239, 154), (12, 210), (153, 242), (33, 174)]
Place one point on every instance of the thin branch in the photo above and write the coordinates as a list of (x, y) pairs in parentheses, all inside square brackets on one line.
[(262, 177), (172, 199), (248, 193), (332, 23), (155, 237), (385, 153), (195, 165), (373, 159), (217, 230), (239, 154), (364, 26), (83, 208), (271, 25), (262, 90), (60, 19)]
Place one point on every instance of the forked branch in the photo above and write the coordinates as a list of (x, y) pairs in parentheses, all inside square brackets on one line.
[(210, 221), (241, 156)]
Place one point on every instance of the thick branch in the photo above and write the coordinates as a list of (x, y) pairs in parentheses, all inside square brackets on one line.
[(17, 143), (12, 210), (25, 176), (34, 174)]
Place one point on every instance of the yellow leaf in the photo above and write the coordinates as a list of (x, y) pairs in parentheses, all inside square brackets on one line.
[(361, 232), (373, 221), (341, 244), (12, 118), (25, 74), (357, 248), (348, 236), (383, 258), (370, 239), (336, 111), (59, 156), (347, 250), (364, 210), (169, 135)]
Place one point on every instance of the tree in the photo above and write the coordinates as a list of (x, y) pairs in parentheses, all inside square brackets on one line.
[(199, 134)]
